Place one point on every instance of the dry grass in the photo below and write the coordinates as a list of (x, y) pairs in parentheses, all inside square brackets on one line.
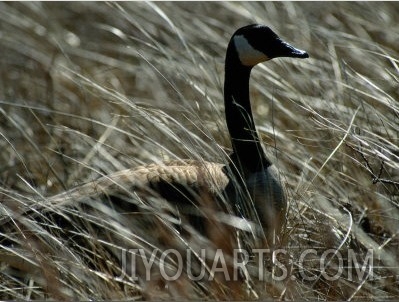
[(87, 89)]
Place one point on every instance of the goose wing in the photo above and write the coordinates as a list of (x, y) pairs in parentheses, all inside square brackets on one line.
[(196, 175)]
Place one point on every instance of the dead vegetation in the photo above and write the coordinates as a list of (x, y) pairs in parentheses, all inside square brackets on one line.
[(87, 89)]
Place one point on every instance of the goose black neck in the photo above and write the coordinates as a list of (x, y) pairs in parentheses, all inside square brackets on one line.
[(244, 138)]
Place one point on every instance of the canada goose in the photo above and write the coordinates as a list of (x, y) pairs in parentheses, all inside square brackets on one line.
[(249, 46), (249, 169)]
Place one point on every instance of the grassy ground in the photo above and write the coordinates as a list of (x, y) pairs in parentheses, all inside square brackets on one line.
[(87, 89)]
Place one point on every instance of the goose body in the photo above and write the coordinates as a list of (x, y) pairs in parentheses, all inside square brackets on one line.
[(248, 178)]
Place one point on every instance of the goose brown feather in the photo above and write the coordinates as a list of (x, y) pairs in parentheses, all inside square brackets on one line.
[(201, 176)]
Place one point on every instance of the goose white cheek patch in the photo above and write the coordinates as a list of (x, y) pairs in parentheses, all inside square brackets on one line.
[(248, 55)]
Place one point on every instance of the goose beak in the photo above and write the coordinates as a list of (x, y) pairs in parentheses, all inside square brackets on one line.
[(287, 50), (297, 53)]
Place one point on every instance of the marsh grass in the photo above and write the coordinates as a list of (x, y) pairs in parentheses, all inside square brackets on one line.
[(87, 89)]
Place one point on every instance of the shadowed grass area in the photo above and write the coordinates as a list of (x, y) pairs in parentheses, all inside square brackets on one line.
[(87, 89)]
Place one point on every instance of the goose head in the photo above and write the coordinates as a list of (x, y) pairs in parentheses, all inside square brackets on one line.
[(258, 43)]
